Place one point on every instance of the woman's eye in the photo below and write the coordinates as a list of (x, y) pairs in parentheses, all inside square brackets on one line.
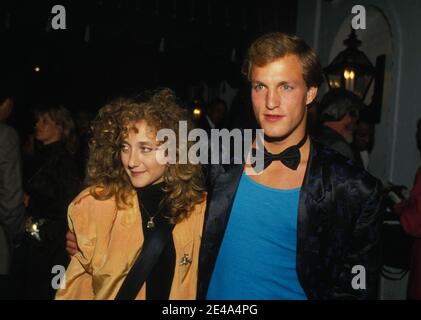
[(145, 149), (124, 148)]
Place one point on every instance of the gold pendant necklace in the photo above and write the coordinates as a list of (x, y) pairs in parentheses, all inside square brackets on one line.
[(150, 224)]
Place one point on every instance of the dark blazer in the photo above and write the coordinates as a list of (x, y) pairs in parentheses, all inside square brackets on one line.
[(340, 214), (335, 141), (11, 195), (54, 183)]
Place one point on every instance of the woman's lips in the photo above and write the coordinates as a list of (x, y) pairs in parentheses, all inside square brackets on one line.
[(137, 173), (273, 117)]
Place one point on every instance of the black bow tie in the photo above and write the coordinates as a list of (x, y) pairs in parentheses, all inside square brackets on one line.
[(290, 157)]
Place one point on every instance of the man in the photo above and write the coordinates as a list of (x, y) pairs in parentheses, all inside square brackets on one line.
[(6, 107), (310, 227), (339, 115), (11, 195), (363, 142), (214, 116)]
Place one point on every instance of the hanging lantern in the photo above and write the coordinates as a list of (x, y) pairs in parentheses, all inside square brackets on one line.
[(351, 69)]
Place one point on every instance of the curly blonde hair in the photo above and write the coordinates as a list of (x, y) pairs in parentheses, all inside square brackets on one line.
[(184, 185)]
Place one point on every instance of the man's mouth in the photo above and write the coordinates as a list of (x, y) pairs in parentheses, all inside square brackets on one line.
[(273, 117)]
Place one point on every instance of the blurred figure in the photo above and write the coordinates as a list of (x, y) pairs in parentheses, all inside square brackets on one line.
[(410, 217), (363, 142), (6, 107), (11, 197), (241, 114), (338, 116), (214, 117), (54, 182)]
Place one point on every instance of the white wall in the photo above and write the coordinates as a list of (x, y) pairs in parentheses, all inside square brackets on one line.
[(395, 156)]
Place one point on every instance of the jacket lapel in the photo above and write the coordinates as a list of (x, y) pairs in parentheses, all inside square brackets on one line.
[(219, 204), (311, 211)]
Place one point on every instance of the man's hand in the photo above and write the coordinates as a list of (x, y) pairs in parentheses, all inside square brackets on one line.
[(71, 245)]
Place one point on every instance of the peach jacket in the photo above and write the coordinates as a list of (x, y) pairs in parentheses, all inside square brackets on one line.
[(110, 241)]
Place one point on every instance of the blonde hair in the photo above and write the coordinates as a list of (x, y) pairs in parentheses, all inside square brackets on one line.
[(63, 119), (272, 46), (184, 186)]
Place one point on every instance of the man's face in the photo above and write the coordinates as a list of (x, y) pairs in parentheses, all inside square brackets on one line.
[(6, 109), (363, 136), (280, 95), (217, 114)]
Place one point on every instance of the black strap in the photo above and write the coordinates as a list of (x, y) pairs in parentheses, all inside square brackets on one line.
[(145, 262)]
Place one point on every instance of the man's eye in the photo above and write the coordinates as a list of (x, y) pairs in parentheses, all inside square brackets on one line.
[(258, 87), (286, 87)]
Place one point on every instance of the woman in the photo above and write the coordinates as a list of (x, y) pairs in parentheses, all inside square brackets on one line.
[(52, 183), (131, 195), (410, 217)]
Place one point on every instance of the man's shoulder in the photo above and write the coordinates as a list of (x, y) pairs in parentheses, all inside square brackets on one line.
[(341, 167), (7, 132)]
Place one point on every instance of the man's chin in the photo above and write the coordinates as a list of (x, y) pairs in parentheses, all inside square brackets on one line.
[(274, 137)]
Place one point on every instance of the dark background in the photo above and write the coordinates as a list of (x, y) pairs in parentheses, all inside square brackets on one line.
[(123, 51)]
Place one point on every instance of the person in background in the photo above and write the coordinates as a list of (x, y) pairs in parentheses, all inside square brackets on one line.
[(363, 142), (410, 218), (339, 110), (50, 187), (214, 117), (6, 107), (12, 210)]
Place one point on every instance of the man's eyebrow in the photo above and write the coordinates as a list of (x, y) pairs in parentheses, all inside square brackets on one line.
[(257, 82), (278, 84)]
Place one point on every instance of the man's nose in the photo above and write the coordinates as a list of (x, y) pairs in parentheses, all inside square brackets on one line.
[(273, 100)]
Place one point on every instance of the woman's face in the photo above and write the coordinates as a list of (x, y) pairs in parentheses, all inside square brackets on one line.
[(139, 156), (46, 130)]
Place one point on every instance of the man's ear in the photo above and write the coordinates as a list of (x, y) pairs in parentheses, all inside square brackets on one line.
[(311, 94)]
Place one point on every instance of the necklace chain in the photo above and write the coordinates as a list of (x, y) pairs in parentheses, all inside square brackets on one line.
[(150, 224)]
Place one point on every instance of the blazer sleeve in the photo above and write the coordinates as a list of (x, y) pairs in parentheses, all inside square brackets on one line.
[(411, 213), (78, 277), (359, 278)]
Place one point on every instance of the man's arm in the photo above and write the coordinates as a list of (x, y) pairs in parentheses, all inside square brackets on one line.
[(71, 244), (361, 267)]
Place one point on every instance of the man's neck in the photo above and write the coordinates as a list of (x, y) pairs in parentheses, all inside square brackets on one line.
[(277, 146)]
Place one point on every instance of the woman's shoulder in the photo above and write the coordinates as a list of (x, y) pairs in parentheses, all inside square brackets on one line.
[(198, 210), (90, 199)]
